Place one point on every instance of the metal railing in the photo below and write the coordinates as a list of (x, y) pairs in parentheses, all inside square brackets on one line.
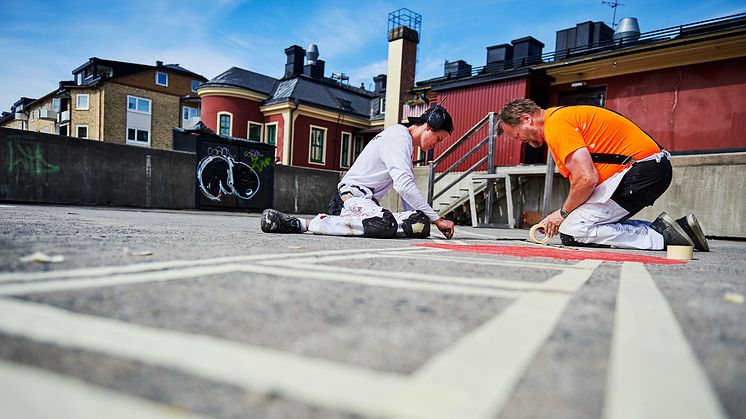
[(488, 119)]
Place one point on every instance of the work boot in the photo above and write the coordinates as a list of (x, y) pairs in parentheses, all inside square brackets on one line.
[(672, 232), (694, 231), (274, 221)]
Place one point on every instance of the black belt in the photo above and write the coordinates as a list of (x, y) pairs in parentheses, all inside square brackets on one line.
[(612, 158)]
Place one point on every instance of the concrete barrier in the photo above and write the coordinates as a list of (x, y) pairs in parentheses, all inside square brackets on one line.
[(45, 168), (300, 190)]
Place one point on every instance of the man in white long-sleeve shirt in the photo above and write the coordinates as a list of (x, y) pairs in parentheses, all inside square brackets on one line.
[(384, 163)]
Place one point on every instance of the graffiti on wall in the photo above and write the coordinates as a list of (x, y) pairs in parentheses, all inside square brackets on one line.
[(220, 174), (28, 160)]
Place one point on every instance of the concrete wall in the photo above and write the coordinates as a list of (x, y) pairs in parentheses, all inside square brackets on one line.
[(46, 168), (710, 186), (300, 190)]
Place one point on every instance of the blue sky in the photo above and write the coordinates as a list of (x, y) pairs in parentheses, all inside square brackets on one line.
[(42, 41)]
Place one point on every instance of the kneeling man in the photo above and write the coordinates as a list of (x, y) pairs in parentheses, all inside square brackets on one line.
[(615, 170), (384, 163)]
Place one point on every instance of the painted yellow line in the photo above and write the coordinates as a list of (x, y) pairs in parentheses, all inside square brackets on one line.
[(654, 373), (158, 266), (306, 264), (316, 381), (483, 368), (33, 393)]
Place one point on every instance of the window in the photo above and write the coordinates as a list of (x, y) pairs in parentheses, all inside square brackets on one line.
[(344, 159), (79, 79), (81, 131), (138, 104), (225, 124), (56, 104), (383, 105), (161, 79), (81, 102), (270, 134), (316, 152), (254, 132), (190, 112), (195, 85), (359, 145), (138, 136)]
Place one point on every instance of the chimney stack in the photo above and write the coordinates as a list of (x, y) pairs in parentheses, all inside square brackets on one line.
[(294, 64), (402, 58)]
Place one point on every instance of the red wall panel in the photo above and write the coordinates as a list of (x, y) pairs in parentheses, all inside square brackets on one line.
[(696, 107), (243, 111), (467, 106)]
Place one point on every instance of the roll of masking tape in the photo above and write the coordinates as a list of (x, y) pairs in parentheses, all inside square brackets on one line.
[(679, 252), (532, 234)]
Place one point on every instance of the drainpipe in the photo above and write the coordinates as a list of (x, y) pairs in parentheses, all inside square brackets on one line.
[(290, 134), (101, 117)]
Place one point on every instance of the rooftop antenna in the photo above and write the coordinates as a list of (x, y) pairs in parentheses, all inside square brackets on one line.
[(613, 5)]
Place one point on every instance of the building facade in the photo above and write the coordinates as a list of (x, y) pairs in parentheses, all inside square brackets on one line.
[(116, 102)]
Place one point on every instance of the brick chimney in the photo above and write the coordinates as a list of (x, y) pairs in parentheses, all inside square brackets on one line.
[(401, 64), (294, 66)]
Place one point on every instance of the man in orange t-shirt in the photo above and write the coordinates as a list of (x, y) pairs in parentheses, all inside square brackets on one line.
[(615, 169)]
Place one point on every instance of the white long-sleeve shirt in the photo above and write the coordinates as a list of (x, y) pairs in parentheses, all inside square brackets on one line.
[(387, 162)]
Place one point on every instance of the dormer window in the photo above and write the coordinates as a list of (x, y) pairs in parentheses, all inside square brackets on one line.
[(195, 85), (79, 78), (161, 79)]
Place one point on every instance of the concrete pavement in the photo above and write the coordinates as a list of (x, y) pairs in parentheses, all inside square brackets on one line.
[(224, 321)]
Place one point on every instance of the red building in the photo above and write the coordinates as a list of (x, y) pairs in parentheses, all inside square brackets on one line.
[(314, 121), (684, 85)]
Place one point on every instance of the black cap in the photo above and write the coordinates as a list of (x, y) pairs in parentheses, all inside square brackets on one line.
[(440, 121)]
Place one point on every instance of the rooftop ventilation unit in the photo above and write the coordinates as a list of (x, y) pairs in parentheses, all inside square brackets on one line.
[(312, 54), (627, 31)]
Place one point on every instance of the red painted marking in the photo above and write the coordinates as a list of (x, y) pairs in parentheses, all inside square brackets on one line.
[(553, 253)]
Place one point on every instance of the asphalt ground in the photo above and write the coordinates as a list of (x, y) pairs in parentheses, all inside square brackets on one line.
[(199, 314)]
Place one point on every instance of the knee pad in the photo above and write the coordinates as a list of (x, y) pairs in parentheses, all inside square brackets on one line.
[(417, 225), (383, 227), (569, 240)]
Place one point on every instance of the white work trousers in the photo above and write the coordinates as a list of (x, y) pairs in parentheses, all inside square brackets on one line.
[(598, 223), (350, 220)]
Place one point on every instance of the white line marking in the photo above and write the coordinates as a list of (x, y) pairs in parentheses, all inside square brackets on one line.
[(476, 261), (156, 266), (654, 373), (470, 233), (253, 368), (6, 206), (114, 280), (29, 392), (426, 277), (475, 377)]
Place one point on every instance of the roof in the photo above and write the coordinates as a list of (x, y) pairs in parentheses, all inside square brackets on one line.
[(122, 68), (238, 77), (323, 93)]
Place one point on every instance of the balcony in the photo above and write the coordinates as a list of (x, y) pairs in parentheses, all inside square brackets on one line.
[(48, 114), (63, 117)]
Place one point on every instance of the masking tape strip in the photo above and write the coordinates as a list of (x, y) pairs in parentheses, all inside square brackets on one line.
[(532, 234), (679, 252)]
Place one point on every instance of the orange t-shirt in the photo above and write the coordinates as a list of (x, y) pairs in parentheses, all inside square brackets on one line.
[(570, 128)]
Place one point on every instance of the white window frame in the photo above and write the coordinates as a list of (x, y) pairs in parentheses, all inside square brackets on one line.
[(183, 107), (382, 105), (87, 130), (230, 130), (198, 84), (323, 145), (135, 142), (345, 163), (158, 73), (261, 129), (266, 136), (87, 102), (150, 105)]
